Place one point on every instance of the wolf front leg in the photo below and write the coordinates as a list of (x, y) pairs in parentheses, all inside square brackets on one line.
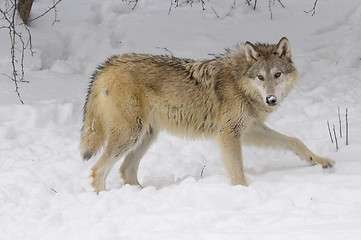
[(265, 137), (230, 144)]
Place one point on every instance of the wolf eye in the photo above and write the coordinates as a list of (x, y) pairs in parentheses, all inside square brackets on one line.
[(260, 77), (277, 75)]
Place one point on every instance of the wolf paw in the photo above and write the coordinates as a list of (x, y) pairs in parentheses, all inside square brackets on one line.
[(239, 181), (97, 183), (324, 162)]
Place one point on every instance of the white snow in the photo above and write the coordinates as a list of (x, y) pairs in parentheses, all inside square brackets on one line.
[(45, 190)]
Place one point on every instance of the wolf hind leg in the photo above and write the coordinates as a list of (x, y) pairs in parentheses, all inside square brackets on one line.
[(129, 167), (118, 143), (265, 137), (101, 169)]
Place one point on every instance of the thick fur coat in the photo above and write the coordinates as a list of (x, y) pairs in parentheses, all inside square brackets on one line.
[(134, 96)]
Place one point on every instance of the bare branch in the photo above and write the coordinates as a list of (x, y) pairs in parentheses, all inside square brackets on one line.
[(339, 121), (176, 3), (313, 10), (334, 132), (130, 2), (170, 7), (346, 126), (203, 4), (167, 50), (204, 166), (215, 12), (329, 131), (279, 1), (248, 2), (270, 9), (51, 8)]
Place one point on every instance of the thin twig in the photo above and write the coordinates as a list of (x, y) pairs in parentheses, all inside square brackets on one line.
[(279, 1), (55, 14), (329, 131), (269, 8), (346, 126), (232, 8), (204, 166), (131, 1), (167, 50), (215, 12), (41, 15), (339, 120), (313, 10), (190, 2), (203, 4), (29, 44), (334, 132), (170, 7)]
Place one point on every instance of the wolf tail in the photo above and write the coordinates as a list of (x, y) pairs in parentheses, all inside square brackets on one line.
[(93, 135)]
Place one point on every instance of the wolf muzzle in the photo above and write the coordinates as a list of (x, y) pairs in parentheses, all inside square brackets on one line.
[(271, 100)]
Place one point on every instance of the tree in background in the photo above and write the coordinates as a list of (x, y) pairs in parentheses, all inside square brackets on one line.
[(24, 8)]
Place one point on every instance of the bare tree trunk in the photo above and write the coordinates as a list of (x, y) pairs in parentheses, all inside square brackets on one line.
[(24, 8)]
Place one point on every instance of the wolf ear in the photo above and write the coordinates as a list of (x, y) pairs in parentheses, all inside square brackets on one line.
[(252, 53), (283, 49)]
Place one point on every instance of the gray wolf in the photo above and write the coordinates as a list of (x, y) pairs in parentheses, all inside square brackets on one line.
[(132, 97)]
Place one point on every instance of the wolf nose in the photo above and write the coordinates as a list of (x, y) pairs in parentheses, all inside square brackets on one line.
[(271, 100)]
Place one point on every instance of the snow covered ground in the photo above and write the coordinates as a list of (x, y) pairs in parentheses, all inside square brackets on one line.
[(45, 188)]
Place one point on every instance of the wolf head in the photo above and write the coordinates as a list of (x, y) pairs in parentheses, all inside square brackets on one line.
[(271, 70)]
